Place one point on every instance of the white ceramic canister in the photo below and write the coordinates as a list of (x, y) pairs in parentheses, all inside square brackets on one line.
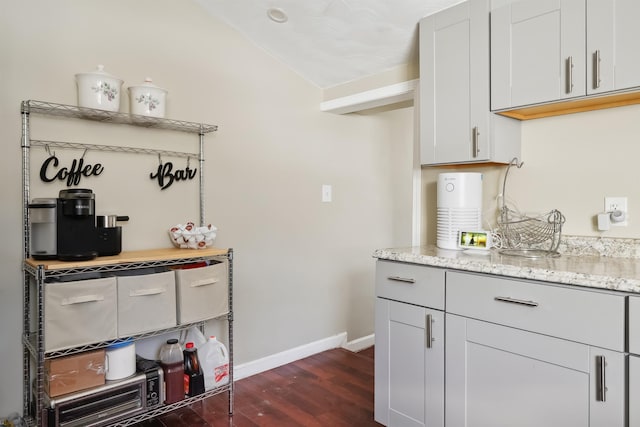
[(99, 89), (120, 360), (147, 99)]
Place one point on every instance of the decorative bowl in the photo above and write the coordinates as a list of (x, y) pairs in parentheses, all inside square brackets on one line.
[(147, 99), (98, 89), (188, 236)]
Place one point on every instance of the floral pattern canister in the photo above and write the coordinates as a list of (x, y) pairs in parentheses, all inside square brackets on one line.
[(99, 89), (147, 99)]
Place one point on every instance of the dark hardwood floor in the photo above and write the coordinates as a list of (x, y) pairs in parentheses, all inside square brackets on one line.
[(333, 388)]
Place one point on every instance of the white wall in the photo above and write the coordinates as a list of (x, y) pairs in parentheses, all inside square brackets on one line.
[(303, 268), (571, 163)]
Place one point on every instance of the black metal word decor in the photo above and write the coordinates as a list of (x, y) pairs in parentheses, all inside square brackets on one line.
[(166, 175), (72, 174)]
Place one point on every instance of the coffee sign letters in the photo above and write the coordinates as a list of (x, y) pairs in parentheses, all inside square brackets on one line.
[(51, 171), (166, 175)]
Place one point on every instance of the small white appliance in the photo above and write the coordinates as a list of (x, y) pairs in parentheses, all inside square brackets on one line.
[(459, 206)]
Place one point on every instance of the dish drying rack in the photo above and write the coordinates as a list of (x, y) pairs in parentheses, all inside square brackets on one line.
[(524, 235)]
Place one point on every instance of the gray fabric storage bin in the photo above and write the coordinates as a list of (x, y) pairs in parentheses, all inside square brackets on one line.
[(79, 313), (146, 303), (202, 293)]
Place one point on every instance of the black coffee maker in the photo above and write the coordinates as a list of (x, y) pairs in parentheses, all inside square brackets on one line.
[(76, 225)]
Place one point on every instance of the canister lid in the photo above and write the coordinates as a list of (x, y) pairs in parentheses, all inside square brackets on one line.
[(120, 345), (148, 84), (99, 72)]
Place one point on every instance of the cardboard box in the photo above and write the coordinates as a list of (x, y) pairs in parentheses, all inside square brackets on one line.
[(73, 373)]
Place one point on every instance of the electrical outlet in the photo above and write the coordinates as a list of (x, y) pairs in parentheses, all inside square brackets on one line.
[(612, 204)]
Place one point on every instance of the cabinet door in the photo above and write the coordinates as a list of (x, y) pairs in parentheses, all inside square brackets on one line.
[(445, 68), (537, 52), (502, 377), (634, 390), (613, 57), (409, 365)]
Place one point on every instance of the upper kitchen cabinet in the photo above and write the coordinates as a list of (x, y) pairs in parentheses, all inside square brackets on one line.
[(546, 51), (613, 58), (456, 125)]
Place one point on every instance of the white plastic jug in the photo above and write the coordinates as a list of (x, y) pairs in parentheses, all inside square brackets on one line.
[(214, 360)]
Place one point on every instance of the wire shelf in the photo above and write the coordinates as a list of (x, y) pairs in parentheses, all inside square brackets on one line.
[(53, 109), (111, 148), (157, 411)]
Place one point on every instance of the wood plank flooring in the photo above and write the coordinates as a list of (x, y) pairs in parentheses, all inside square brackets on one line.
[(333, 388)]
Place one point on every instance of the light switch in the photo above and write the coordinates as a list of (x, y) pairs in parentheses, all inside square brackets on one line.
[(326, 193)]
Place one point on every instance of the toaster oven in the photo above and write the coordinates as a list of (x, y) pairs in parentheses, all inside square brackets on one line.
[(106, 404)]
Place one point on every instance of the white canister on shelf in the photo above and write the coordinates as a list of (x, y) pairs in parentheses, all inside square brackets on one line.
[(99, 89), (147, 99), (120, 360)]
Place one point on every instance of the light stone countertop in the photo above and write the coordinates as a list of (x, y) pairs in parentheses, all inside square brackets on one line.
[(621, 273)]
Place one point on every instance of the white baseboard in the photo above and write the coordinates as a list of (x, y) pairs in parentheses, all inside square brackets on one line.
[(360, 343), (264, 364), (260, 365)]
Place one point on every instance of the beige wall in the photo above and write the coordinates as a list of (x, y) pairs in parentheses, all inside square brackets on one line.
[(303, 268), (571, 163)]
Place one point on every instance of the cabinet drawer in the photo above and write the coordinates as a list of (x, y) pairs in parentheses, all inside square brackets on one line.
[(590, 317), (411, 283)]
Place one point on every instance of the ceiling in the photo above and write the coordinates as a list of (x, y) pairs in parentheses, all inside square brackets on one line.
[(331, 42)]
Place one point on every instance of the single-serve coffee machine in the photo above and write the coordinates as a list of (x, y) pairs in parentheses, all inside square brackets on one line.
[(65, 228), (76, 219)]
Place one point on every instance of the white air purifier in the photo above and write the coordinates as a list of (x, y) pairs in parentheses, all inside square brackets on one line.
[(459, 206)]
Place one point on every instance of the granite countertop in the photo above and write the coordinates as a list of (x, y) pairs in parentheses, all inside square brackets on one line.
[(591, 262)]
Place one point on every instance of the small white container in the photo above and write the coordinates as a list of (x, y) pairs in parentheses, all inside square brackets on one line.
[(147, 99), (99, 90), (120, 360)]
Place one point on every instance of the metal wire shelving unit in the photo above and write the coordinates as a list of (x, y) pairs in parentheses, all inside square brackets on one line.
[(36, 273)]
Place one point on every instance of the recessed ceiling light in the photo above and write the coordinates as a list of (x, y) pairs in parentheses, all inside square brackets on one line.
[(277, 15)]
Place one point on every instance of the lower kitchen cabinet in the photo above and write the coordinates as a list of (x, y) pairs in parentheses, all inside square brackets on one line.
[(409, 350), (499, 376), (462, 349), (409, 365)]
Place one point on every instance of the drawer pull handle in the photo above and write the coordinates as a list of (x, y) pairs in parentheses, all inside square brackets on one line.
[(429, 330), (401, 279), (601, 379), (82, 299), (146, 292), (205, 282), (517, 301)]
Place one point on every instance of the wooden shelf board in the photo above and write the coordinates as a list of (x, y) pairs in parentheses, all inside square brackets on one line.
[(164, 254), (573, 106)]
